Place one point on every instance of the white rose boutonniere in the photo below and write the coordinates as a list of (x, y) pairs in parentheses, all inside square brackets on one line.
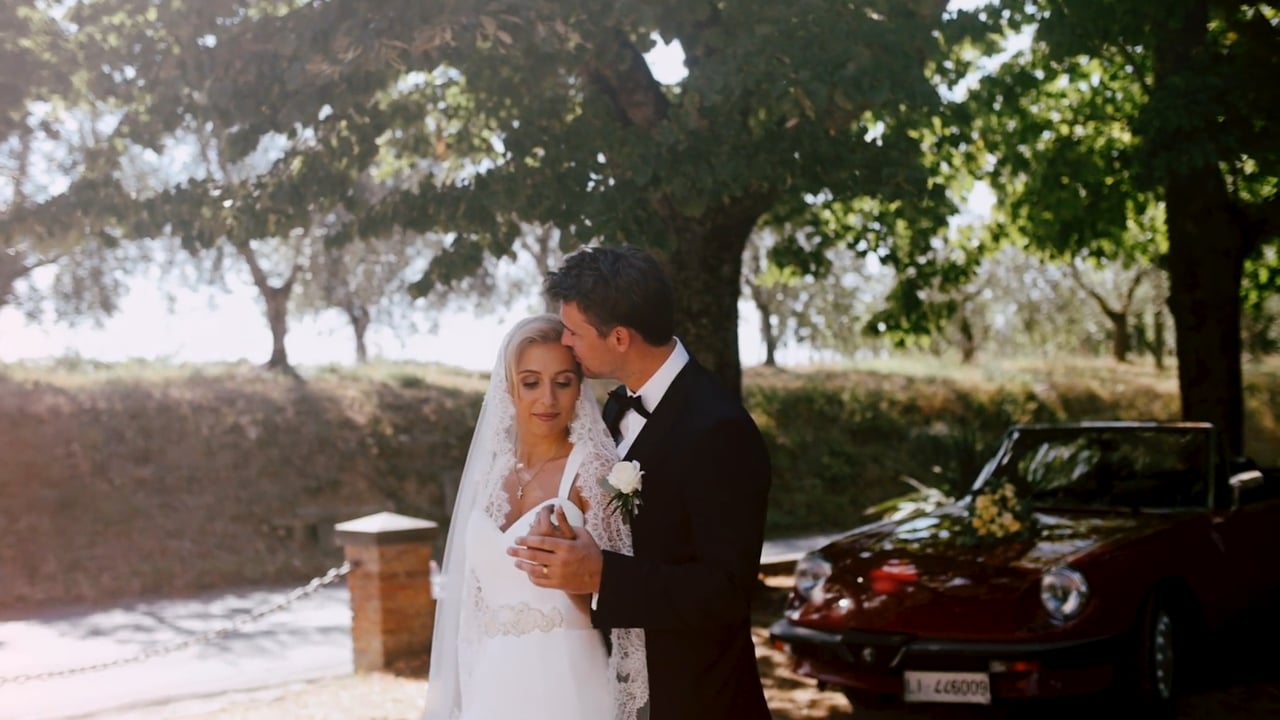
[(623, 484)]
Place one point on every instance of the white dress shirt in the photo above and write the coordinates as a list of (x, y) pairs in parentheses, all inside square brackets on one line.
[(651, 394)]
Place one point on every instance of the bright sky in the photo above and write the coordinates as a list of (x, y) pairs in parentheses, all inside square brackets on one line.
[(209, 326), (184, 326), (236, 329)]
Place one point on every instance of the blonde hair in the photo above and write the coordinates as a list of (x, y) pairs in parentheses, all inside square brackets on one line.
[(534, 330)]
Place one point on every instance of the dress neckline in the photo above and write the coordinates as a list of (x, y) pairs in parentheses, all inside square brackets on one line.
[(566, 483)]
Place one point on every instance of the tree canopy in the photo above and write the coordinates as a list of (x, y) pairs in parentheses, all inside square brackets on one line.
[(1137, 133), (1114, 107), (548, 110)]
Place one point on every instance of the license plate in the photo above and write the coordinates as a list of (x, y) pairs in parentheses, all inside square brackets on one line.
[(946, 687)]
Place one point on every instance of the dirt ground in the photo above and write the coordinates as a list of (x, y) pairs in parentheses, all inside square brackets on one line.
[(1237, 695)]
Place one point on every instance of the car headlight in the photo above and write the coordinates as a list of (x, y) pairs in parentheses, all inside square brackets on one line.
[(1064, 593), (811, 571)]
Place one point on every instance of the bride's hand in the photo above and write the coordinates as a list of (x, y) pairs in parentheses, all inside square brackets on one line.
[(546, 524), (572, 563)]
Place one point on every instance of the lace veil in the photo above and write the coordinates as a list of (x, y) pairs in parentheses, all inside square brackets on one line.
[(490, 459)]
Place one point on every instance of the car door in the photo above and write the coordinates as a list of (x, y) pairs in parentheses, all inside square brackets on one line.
[(1249, 535)]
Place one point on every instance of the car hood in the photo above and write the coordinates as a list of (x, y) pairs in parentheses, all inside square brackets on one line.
[(1059, 538), (916, 576)]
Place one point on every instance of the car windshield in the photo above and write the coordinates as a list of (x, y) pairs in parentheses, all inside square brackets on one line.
[(1106, 468)]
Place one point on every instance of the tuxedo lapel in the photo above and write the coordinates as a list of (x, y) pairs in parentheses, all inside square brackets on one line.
[(663, 418)]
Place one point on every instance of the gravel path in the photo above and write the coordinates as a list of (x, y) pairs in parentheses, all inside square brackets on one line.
[(791, 697)]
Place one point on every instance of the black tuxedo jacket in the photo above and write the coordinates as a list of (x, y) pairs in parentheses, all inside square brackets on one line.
[(697, 539)]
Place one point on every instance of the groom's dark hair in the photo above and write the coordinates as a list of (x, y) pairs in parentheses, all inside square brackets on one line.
[(615, 286)]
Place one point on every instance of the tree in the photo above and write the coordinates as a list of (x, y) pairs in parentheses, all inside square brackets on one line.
[(779, 102), (1167, 101), (824, 307), (28, 44), (34, 55), (1118, 311), (367, 279), (1262, 303), (40, 140), (772, 289), (249, 188)]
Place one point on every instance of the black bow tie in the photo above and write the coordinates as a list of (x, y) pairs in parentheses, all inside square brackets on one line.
[(619, 402), (629, 401)]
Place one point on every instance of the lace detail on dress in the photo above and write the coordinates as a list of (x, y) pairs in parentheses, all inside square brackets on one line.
[(462, 620), (502, 460), (520, 619), (628, 667)]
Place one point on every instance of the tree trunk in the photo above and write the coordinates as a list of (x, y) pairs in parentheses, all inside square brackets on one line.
[(277, 302), (1119, 336), (545, 244), (12, 268), (277, 299), (706, 271), (1158, 348), (767, 332), (968, 340), (359, 318), (1259, 331), (1118, 314), (1206, 264), (1207, 244), (770, 341)]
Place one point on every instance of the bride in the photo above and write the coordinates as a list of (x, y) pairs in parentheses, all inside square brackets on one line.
[(503, 647)]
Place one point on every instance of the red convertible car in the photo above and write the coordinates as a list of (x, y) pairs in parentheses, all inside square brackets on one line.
[(1086, 557)]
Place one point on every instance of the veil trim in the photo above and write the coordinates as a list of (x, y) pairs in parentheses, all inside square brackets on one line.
[(458, 627)]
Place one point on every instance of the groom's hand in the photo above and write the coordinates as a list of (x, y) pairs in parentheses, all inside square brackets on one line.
[(566, 561)]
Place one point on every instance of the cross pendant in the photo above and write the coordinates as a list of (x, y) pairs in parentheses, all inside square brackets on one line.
[(520, 493)]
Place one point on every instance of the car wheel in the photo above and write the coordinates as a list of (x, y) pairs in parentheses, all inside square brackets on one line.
[(1158, 670)]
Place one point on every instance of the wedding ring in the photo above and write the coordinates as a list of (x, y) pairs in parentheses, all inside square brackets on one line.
[(545, 571)]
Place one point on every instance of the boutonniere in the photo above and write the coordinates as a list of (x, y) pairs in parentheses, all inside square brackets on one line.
[(623, 485)]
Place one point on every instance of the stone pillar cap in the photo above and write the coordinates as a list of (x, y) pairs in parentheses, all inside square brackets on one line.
[(385, 528)]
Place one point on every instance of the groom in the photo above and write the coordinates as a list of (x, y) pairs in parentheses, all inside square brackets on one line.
[(698, 531)]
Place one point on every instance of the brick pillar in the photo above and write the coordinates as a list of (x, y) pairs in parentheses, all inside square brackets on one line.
[(392, 609)]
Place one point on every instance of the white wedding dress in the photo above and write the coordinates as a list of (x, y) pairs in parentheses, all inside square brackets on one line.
[(537, 655)]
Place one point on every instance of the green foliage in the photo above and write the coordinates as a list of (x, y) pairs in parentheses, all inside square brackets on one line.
[(843, 442), (811, 293), (488, 116), (1106, 109)]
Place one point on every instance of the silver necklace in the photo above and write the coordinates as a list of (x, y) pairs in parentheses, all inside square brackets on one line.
[(520, 468)]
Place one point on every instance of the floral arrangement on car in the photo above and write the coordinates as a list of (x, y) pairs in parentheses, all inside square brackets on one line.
[(996, 515)]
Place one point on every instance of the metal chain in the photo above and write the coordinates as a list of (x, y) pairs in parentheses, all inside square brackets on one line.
[(328, 578)]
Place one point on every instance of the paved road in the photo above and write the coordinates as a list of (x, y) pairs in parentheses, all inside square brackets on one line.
[(309, 640)]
